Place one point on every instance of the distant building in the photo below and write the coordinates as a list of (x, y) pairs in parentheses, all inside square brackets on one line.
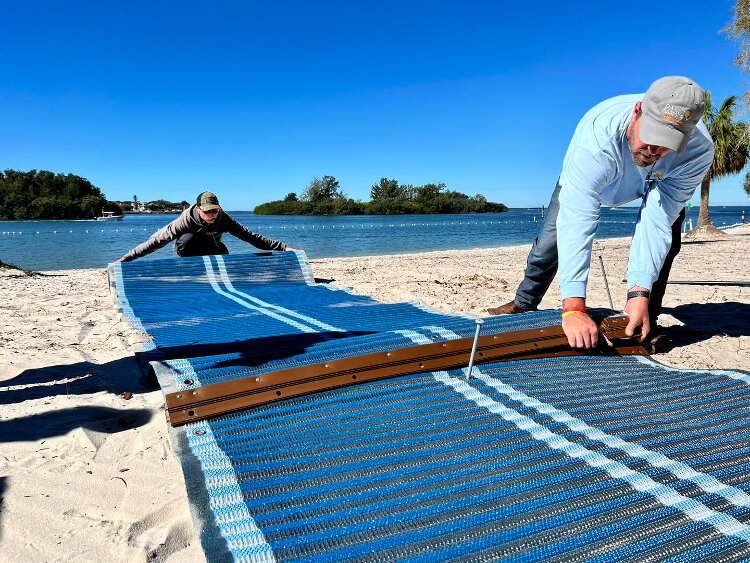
[(156, 206)]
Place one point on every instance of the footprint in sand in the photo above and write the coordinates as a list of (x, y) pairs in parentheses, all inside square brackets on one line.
[(162, 532)]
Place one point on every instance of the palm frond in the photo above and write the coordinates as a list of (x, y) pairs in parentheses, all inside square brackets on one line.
[(731, 138)]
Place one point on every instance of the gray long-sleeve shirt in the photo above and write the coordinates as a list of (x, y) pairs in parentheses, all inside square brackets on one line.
[(189, 221)]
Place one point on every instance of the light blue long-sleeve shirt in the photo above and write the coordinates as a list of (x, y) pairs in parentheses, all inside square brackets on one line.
[(599, 170)]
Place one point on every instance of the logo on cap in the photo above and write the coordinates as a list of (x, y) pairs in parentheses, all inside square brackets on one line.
[(676, 115)]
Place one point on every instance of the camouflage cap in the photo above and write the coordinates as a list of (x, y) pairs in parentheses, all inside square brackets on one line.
[(208, 201)]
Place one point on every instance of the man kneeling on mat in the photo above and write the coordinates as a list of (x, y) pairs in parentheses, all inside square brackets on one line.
[(197, 232)]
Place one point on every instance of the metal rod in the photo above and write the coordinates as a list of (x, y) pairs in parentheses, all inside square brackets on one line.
[(606, 283), (480, 322), (741, 283)]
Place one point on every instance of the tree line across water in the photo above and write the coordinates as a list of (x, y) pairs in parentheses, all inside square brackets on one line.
[(323, 196), (41, 194)]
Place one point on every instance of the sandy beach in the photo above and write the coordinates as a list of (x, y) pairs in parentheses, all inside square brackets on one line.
[(86, 468)]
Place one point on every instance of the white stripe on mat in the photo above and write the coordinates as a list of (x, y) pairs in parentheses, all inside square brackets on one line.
[(739, 376), (228, 284), (236, 523), (212, 279), (693, 509), (681, 470)]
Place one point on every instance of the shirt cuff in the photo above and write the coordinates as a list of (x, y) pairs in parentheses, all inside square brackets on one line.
[(641, 279), (572, 289)]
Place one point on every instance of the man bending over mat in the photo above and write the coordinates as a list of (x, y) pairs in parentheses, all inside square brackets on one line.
[(653, 147), (197, 232)]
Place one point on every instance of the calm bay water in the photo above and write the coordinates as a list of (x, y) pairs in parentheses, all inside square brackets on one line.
[(57, 245)]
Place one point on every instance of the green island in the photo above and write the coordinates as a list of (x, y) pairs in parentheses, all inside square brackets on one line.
[(44, 195), (323, 196), (41, 194)]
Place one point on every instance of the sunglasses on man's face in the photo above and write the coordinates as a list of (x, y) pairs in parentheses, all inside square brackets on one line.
[(211, 212)]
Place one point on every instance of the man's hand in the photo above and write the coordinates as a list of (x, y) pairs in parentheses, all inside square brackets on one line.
[(581, 331), (637, 310)]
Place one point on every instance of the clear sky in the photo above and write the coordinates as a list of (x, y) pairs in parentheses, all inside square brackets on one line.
[(253, 99)]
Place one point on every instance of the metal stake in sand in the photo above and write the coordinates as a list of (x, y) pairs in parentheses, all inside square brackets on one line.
[(606, 284), (480, 322)]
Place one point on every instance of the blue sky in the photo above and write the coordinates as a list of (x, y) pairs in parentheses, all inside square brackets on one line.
[(253, 99)]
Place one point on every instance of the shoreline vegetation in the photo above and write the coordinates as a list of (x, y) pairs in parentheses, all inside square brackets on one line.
[(323, 196), (45, 195)]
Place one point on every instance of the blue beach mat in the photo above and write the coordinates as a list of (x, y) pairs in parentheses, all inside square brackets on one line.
[(565, 459)]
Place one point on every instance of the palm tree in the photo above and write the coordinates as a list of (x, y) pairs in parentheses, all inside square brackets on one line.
[(739, 30), (731, 153)]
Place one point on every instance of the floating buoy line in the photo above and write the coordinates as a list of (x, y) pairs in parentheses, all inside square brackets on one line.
[(686, 227)]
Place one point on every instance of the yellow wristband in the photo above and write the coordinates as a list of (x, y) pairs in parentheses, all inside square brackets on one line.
[(566, 313)]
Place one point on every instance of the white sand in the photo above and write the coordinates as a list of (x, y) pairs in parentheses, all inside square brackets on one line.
[(88, 475)]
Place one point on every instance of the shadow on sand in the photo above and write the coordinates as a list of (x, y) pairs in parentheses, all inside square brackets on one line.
[(80, 378), (61, 421), (3, 487), (703, 321), (128, 375)]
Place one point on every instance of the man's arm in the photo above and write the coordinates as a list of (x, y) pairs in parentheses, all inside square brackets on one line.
[(259, 241), (582, 180), (653, 232), (160, 238)]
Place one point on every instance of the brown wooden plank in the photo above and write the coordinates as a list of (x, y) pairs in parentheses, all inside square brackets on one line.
[(221, 398)]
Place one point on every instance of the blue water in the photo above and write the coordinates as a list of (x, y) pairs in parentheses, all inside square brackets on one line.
[(57, 245)]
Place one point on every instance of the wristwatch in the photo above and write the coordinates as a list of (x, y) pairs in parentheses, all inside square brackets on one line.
[(639, 293)]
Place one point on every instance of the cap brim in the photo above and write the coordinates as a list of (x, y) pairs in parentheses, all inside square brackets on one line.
[(657, 133), (209, 207)]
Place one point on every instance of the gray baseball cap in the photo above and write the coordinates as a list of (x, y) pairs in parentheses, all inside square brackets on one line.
[(671, 107)]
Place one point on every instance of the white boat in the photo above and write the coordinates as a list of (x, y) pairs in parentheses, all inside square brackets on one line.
[(109, 216)]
